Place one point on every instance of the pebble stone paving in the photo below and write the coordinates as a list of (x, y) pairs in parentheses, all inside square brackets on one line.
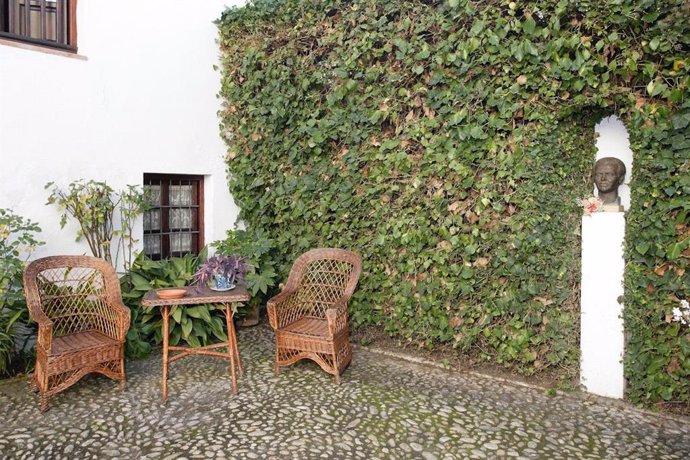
[(386, 408)]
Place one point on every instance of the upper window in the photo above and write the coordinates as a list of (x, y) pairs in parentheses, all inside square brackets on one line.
[(174, 224), (42, 22)]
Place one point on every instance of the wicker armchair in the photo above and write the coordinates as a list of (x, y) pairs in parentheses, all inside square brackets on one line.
[(82, 323), (310, 315)]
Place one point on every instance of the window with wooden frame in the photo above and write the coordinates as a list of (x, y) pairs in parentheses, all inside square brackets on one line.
[(50, 23), (174, 225)]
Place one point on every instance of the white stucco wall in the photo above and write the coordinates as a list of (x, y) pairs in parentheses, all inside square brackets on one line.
[(142, 100)]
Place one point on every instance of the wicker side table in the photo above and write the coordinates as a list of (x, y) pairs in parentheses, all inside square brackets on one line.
[(194, 297)]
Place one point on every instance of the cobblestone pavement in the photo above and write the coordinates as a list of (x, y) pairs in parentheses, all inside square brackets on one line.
[(385, 408)]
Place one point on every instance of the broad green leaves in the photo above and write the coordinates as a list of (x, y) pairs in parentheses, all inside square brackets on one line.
[(196, 325)]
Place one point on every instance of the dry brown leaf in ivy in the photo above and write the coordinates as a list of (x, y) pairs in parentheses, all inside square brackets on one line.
[(455, 321), (444, 245), (673, 366), (481, 262), (543, 300), (471, 217)]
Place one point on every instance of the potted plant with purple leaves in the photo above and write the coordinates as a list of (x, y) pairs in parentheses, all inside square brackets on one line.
[(220, 272)]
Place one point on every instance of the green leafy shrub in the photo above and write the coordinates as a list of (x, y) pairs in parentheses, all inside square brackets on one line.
[(17, 241), (261, 254), (93, 204), (197, 325), (447, 142)]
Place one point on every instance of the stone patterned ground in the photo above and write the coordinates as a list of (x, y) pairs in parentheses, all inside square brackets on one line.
[(385, 408)]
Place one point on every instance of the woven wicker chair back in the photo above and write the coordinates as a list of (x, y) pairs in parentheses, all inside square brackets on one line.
[(74, 292), (323, 277)]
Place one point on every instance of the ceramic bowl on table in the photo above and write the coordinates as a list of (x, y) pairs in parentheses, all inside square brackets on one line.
[(173, 293)]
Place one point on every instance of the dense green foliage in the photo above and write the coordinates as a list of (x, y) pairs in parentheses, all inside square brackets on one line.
[(195, 326), (17, 240), (260, 252), (447, 142), (657, 361)]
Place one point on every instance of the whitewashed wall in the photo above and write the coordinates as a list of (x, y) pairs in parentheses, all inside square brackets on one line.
[(142, 98)]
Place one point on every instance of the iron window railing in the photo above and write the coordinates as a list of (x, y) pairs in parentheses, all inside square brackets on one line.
[(173, 226)]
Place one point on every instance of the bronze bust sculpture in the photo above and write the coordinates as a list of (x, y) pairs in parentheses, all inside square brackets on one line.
[(608, 174)]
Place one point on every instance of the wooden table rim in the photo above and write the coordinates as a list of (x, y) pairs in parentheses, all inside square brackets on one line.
[(193, 297)]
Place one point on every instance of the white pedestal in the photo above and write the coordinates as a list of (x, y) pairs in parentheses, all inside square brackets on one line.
[(602, 340)]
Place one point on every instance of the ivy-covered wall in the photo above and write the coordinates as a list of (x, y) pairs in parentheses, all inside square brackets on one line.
[(447, 142)]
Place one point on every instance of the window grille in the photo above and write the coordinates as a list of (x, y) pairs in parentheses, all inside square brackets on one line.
[(173, 226)]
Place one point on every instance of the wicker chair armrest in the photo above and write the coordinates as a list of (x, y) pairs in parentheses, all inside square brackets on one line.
[(275, 316), (45, 324), (124, 315), (45, 329), (336, 316)]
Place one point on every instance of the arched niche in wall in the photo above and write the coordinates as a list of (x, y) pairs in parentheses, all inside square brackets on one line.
[(612, 141), (602, 340)]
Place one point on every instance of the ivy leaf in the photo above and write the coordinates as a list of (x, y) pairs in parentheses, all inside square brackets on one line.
[(680, 121), (675, 250), (529, 25), (654, 43), (642, 248)]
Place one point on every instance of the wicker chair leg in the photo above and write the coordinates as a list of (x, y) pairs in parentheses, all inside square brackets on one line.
[(43, 403), (33, 384), (337, 377), (122, 368), (277, 369)]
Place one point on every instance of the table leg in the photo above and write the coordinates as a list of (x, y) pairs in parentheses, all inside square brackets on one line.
[(231, 345), (166, 317), (237, 348)]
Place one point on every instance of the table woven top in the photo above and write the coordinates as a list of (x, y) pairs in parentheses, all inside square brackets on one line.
[(196, 297)]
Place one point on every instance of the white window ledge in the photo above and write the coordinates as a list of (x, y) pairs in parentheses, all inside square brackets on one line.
[(42, 49)]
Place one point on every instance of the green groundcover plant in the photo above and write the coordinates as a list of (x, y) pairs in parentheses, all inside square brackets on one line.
[(447, 142), (18, 239)]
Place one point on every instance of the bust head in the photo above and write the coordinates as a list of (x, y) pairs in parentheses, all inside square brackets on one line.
[(608, 174)]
